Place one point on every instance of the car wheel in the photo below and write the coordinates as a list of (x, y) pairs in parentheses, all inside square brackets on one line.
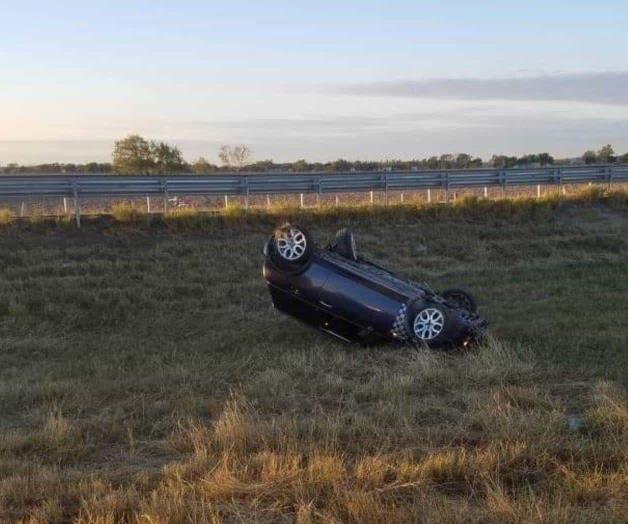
[(435, 325), (344, 244), (461, 299), (291, 247)]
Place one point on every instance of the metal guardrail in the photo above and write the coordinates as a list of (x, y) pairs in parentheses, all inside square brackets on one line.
[(82, 186)]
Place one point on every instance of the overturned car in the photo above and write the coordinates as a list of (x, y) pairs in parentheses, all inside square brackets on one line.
[(340, 292)]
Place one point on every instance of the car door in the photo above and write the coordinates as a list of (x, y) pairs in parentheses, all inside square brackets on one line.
[(358, 297), (298, 295)]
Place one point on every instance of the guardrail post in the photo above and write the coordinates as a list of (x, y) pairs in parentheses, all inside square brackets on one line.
[(301, 200), (77, 204), (226, 201), (148, 204), (318, 194), (485, 192), (164, 189), (65, 205), (609, 175), (447, 187), (372, 198), (246, 192), (268, 201), (429, 196), (401, 198), (23, 209), (386, 189), (337, 201)]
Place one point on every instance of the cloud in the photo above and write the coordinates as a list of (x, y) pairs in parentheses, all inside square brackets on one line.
[(597, 88)]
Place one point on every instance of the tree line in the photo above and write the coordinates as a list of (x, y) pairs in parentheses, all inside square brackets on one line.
[(136, 155)]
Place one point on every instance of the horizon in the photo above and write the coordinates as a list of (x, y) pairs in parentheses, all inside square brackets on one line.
[(619, 157), (360, 81)]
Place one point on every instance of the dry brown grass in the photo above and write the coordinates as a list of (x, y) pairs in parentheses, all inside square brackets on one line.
[(245, 468), (493, 446)]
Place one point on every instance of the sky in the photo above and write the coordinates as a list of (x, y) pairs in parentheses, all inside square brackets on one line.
[(316, 80)]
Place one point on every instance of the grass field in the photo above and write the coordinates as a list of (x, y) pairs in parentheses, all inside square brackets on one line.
[(144, 376)]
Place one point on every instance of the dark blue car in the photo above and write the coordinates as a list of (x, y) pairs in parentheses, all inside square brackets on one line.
[(340, 292)]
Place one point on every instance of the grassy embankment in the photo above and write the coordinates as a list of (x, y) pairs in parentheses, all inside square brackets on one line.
[(145, 377)]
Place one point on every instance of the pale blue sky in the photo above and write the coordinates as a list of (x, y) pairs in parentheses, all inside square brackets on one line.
[(316, 80)]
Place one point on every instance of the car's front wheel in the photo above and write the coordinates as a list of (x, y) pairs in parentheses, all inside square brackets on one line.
[(291, 247), (435, 325)]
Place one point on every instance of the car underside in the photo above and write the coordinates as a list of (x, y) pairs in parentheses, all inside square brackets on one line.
[(340, 292)]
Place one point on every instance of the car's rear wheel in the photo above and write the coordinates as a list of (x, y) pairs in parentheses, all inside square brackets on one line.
[(434, 325), (461, 299), (291, 247)]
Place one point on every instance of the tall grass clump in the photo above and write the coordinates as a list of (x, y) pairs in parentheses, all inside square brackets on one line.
[(591, 194), (37, 218), (186, 217), (6, 217), (609, 412), (125, 213)]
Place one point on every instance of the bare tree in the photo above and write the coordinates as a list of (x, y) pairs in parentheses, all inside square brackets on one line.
[(235, 156)]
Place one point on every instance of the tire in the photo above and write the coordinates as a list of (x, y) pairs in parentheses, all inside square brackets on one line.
[(291, 247), (461, 299), (435, 325), (344, 245)]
